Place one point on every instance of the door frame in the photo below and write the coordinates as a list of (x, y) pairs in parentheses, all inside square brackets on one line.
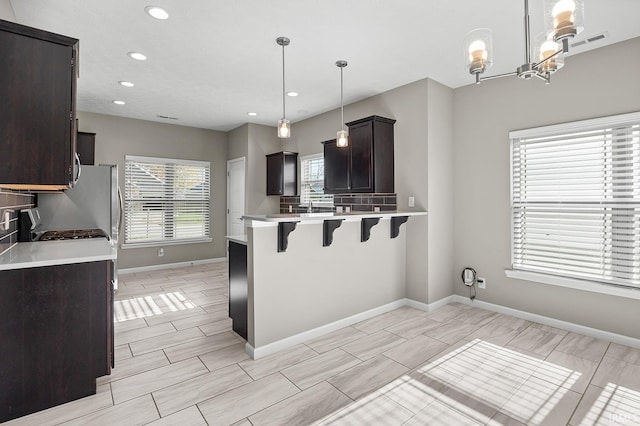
[(244, 202)]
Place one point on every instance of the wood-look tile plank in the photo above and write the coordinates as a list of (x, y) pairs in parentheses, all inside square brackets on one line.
[(613, 405), (196, 320), (273, 363), (374, 344), (220, 358), (511, 322), (412, 327), (314, 370), (190, 392), (136, 365), (536, 340), (165, 341), (165, 317), (476, 316), (583, 346), (200, 346), (303, 408), (143, 333), (494, 333), (452, 331), (407, 312), (138, 411), (567, 371), (216, 327), (415, 390), (335, 339), (445, 313), (69, 411), (377, 323), (132, 324), (246, 400), (373, 409), (415, 351), (158, 378), (440, 413), (188, 417), (624, 353), (122, 352), (618, 373), (368, 376)]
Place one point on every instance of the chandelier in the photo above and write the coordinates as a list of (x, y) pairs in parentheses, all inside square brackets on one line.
[(563, 21)]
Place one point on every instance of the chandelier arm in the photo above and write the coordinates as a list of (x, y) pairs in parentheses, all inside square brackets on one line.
[(527, 34), (536, 65), (543, 76), (491, 77)]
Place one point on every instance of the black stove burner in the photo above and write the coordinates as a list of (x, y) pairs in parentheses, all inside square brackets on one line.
[(72, 234)]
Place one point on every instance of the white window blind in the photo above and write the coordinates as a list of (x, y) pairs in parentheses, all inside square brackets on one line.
[(166, 200), (576, 200), (312, 181)]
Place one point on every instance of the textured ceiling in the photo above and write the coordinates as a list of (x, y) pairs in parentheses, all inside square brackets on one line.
[(213, 61)]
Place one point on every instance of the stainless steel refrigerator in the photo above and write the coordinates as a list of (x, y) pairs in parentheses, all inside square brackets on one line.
[(93, 203)]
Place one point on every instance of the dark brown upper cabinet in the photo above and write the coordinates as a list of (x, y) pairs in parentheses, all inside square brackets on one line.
[(366, 165), (86, 148), (282, 173), (38, 73)]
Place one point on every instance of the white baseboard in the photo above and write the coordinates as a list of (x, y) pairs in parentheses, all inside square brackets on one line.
[(564, 325), (171, 265), (296, 339), (271, 348)]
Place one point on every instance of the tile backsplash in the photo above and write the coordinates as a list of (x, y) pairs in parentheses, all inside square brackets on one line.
[(12, 202), (364, 202)]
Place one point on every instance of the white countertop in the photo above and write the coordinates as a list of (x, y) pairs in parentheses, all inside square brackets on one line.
[(49, 253), (240, 239), (315, 217)]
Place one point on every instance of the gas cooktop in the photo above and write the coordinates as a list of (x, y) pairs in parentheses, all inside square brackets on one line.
[(72, 234)]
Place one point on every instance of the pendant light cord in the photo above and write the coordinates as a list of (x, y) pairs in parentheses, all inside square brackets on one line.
[(341, 100), (283, 88)]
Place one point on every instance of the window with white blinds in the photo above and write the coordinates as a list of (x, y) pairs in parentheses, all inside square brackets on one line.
[(166, 200), (576, 200), (312, 181)]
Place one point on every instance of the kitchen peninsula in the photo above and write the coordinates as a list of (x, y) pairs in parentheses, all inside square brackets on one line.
[(309, 274)]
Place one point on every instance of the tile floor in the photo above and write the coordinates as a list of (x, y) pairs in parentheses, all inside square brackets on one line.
[(179, 363)]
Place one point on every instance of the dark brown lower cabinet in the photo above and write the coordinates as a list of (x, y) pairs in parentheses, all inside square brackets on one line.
[(238, 287), (56, 328)]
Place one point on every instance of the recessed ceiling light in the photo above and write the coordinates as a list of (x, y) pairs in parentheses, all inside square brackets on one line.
[(156, 12), (119, 102), (137, 55), (292, 94), (252, 114), (126, 83)]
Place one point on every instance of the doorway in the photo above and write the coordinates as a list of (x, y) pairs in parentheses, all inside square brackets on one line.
[(235, 196)]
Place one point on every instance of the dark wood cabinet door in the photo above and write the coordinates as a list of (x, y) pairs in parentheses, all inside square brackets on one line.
[(37, 112), (282, 173), (361, 143), (54, 323), (86, 148), (336, 168)]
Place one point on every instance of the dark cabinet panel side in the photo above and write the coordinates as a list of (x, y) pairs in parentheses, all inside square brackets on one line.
[(238, 288), (336, 168), (361, 142), (383, 159), (35, 87), (275, 178)]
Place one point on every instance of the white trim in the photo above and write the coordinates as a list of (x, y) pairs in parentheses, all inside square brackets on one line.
[(581, 125), (287, 342), (290, 341), (574, 283), (564, 325), (163, 160), (171, 265), (162, 243)]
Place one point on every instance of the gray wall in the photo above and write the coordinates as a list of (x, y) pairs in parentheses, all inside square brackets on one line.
[(117, 137), (594, 84), (423, 140), (6, 11)]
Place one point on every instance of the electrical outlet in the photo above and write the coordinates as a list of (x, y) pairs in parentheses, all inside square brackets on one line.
[(482, 283), (412, 201), (160, 252)]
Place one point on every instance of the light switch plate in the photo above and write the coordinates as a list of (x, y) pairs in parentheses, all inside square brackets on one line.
[(412, 201)]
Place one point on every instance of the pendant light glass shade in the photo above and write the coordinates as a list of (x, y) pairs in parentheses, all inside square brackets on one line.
[(563, 19), (478, 50), (284, 127), (342, 137), (547, 48)]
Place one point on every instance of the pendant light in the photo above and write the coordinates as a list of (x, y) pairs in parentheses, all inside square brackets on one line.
[(284, 128), (342, 139)]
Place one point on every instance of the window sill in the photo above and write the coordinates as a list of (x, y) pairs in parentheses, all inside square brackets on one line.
[(164, 243), (574, 283)]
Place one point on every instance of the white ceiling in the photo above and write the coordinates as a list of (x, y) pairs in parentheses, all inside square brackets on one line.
[(213, 61)]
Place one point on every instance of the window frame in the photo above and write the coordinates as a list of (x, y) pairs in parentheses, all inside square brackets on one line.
[(302, 182), (168, 241), (548, 278)]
